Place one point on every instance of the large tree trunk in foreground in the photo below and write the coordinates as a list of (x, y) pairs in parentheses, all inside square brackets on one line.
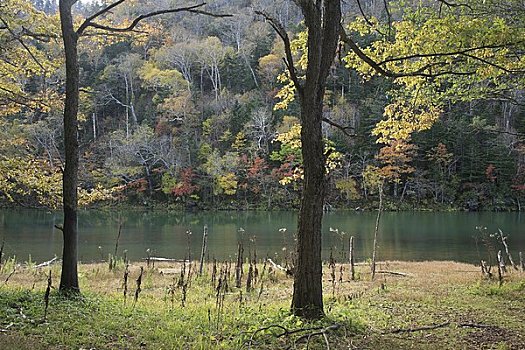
[(308, 292), (322, 18), (69, 277)]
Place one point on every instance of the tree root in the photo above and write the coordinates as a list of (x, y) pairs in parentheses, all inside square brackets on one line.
[(309, 336), (314, 332)]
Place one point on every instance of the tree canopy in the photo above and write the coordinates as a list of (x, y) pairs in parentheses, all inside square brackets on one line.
[(195, 94)]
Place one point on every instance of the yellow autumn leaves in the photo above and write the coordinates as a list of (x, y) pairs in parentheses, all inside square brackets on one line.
[(437, 56)]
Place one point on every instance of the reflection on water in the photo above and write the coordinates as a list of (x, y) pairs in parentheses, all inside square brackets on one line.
[(403, 236)]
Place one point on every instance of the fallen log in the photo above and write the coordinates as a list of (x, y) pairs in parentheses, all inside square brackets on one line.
[(47, 263), (159, 259), (395, 273), (417, 329)]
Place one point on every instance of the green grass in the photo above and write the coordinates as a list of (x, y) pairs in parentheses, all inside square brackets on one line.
[(365, 312)]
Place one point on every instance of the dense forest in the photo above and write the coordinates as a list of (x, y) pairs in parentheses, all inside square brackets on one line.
[(196, 112)]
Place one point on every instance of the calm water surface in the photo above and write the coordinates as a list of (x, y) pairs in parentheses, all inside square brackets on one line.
[(403, 236)]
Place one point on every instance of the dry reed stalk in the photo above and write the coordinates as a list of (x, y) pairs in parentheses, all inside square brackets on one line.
[(46, 295), (351, 258), (238, 266), (125, 283), (376, 230), (139, 284), (203, 248)]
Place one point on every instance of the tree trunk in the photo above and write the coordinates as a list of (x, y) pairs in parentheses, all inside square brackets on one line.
[(308, 295), (69, 277), (376, 230), (323, 22)]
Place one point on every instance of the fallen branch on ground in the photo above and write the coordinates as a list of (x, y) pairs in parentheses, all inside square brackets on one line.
[(46, 263), (395, 273), (475, 325), (163, 259), (417, 329), (441, 325)]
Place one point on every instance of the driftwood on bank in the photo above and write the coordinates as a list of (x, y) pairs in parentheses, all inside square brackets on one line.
[(160, 259), (279, 267), (395, 273), (47, 263)]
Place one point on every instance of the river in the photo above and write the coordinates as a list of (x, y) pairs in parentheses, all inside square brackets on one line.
[(402, 235)]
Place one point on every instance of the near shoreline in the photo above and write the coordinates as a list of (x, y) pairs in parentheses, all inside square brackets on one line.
[(410, 305)]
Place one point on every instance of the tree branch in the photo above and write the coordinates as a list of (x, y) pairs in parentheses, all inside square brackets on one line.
[(487, 62), (15, 36), (344, 129), (449, 4), (38, 36), (90, 19), (389, 18), (19, 96), (377, 66), (279, 29), (444, 54), (353, 46), (364, 15), (137, 20)]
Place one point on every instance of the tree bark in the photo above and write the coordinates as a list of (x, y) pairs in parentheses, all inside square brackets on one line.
[(308, 295), (69, 277), (322, 19)]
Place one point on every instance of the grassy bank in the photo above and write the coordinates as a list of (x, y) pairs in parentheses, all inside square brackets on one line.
[(432, 305)]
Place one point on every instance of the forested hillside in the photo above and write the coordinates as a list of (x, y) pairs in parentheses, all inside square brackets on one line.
[(196, 112)]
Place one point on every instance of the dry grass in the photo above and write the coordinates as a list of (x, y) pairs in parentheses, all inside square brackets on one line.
[(480, 313)]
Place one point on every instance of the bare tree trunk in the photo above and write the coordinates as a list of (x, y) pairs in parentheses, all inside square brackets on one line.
[(376, 230), (127, 105), (308, 294), (323, 22), (247, 61), (69, 277), (131, 103), (94, 121)]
